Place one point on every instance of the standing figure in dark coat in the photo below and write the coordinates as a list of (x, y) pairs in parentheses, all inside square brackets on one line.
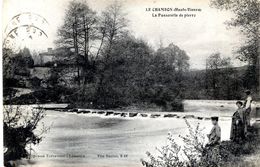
[(238, 124)]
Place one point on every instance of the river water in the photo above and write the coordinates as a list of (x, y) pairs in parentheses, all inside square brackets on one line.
[(112, 141)]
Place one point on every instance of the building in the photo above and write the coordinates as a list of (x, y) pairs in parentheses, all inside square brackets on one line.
[(45, 57)]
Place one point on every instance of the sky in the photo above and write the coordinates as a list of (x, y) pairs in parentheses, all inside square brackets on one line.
[(199, 36)]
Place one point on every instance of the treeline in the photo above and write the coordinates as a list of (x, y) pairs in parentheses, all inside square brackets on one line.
[(100, 64), (16, 70), (220, 80)]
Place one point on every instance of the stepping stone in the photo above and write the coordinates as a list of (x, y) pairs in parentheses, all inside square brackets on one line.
[(123, 114), (170, 115), (109, 113), (144, 115), (188, 116), (155, 115), (86, 111), (132, 114), (101, 112)]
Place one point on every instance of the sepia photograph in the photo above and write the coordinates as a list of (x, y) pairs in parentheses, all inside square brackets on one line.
[(130, 83)]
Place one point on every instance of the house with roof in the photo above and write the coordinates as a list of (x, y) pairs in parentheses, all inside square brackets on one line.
[(46, 57)]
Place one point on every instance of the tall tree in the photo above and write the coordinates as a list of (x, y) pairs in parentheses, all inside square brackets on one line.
[(170, 63), (113, 26), (124, 76), (114, 23), (215, 72), (78, 31), (246, 18)]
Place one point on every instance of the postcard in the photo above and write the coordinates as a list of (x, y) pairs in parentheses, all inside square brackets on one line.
[(112, 83)]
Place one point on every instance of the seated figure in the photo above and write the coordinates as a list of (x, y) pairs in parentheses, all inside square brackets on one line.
[(215, 134)]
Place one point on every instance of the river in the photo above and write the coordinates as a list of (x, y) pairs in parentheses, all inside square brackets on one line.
[(112, 141)]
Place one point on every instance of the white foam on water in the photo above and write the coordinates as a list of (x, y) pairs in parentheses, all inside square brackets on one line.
[(91, 134)]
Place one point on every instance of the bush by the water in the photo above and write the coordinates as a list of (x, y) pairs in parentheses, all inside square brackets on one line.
[(20, 132), (195, 154)]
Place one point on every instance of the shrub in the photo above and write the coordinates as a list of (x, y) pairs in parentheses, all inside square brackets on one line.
[(194, 154), (19, 132), (35, 82), (174, 155)]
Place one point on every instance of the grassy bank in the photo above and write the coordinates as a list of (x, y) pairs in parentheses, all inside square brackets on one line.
[(195, 154)]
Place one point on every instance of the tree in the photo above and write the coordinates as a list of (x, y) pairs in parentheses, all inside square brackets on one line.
[(178, 61), (134, 73), (89, 30), (113, 28), (124, 75), (218, 69), (125, 70), (78, 31), (20, 132), (16, 67), (114, 23), (164, 77), (18, 63), (8, 69), (246, 18)]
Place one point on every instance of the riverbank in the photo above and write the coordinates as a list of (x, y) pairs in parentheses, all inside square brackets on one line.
[(194, 153), (243, 154), (105, 132)]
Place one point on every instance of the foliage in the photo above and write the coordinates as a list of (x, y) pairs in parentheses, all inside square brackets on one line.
[(84, 31), (79, 31), (20, 132), (16, 70), (193, 143), (79, 21), (16, 64), (250, 79), (220, 80), (135, 74), (130, 72), (246, 18), (176, 155), (220, 77), (35, 82), (194, 154), (100, 64), (56, 94)]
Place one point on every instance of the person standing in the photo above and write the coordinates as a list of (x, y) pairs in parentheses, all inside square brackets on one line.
[(247, 107), (237, 126)]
